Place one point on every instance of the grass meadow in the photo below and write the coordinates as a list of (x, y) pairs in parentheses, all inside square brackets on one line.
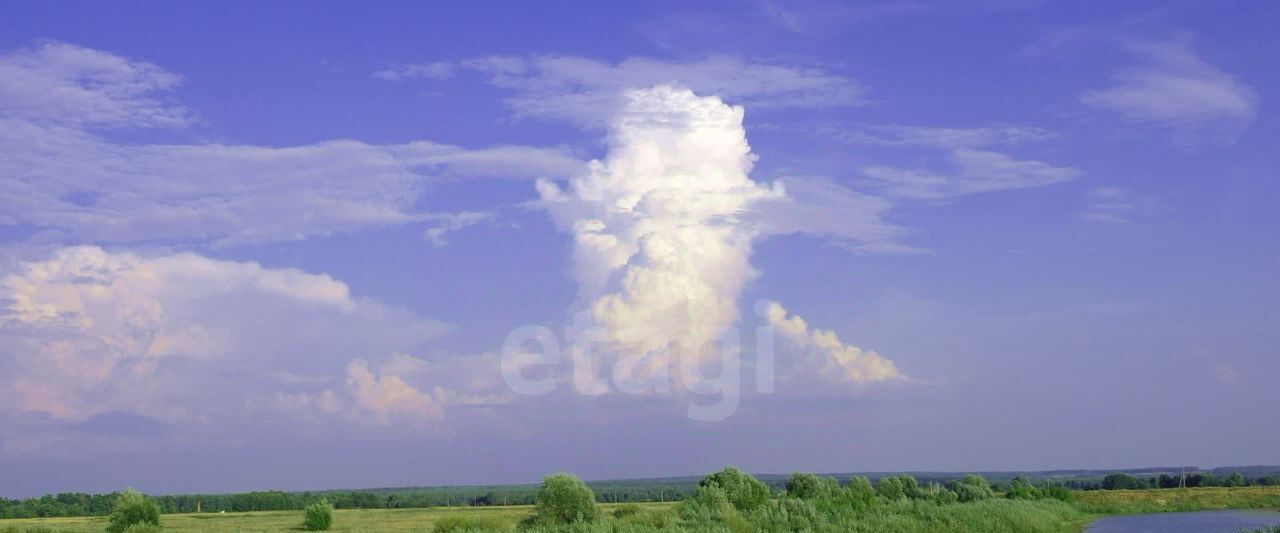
[(353, 520), (996, 515), (1173, 500)]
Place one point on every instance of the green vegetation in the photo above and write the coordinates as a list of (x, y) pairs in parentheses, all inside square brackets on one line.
[(1171, 500), (741, 490), (618, 491), (807, 486), (459, 523), (132, 508), (727, 501), (318, 516), (564, 499)]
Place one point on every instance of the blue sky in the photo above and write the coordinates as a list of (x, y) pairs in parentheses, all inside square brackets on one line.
[(282, 246)]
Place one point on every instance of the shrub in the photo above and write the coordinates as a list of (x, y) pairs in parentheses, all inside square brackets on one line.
[(946, 497), (627, 509), (318, 516), (860, 492), (810, 487), (143, 528), (1055, 492), (565, 499), (131, 508), (743, 490), (1021, 488), (457, 523), (708, 503), (890, 488), (972, 488), (910, 487)]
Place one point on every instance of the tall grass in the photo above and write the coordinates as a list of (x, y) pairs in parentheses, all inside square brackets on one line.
[(1174, 500)]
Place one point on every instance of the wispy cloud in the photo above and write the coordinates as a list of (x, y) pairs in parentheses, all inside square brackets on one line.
[(62, 172), (1171, 86), (586, 91), (947, 138), (431, 71), (445, 223), (64, 84), (969, 164), (1117, 205)]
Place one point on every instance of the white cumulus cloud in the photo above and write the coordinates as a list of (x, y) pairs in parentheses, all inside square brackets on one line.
[(834, 358), (663, 227), (181, 337)]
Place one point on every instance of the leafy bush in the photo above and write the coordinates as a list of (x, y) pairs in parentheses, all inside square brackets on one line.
[(627, 509), (318, 516), (807, 486), (910, 487), (1055, 492), (859, 492), (946, 497), (564, 499), (458, 523), (972, 488), (743, 490), (132, 508), (890, 488), (1021, 488)]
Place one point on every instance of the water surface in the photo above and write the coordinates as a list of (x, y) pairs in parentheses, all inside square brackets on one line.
[(1197, 522)]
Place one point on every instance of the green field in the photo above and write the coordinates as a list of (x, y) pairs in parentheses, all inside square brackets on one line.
[(993, 515), (1172, 500), (388, 520)]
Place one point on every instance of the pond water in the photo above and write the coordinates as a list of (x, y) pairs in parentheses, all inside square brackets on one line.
[(1198, 522)]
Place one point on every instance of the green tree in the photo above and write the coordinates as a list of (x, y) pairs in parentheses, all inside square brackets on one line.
[(910, 487), (859, 493), (1119, 481), (1021, 488), (808, 486), (132, 508), (972, 488), (890, 488), (564, 499), (743, 490)]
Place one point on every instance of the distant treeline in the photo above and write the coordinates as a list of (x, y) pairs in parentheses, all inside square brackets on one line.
[(650, 490), (81, 504)]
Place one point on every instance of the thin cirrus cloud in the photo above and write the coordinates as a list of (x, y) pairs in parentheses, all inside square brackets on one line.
[(1115, 205), (587, 91), (64, 174), (966, 161), (1171, 86)]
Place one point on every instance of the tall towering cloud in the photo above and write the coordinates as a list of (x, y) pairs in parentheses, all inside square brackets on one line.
[(660, 246), (663, 227)]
